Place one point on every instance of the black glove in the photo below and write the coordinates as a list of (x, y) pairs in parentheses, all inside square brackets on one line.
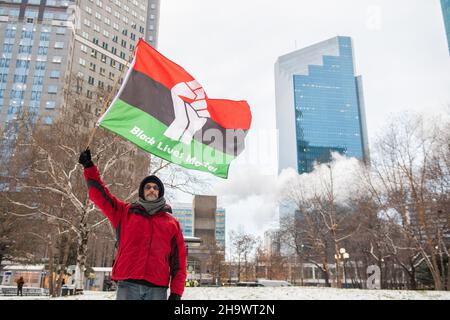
[(85, 158), (174, 296)]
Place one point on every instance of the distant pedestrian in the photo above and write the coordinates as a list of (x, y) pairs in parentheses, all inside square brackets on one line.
[(20, 282)]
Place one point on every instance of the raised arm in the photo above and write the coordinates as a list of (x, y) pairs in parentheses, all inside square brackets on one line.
[(98, 193)]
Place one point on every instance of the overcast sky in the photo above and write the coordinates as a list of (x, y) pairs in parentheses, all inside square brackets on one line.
[(231, 46)]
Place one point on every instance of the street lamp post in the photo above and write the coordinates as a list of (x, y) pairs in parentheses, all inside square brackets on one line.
[(344, 256), (301, 266)]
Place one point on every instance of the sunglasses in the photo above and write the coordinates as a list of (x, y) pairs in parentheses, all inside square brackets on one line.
[(148, 187)]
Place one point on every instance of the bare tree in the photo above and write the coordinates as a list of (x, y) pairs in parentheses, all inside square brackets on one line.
[(406, 187), (243, 244)]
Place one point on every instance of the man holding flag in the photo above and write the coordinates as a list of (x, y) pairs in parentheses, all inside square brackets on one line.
[(152, 253), (162, 109)]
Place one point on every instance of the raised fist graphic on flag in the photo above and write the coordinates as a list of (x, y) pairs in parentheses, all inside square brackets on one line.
[(190, 108)]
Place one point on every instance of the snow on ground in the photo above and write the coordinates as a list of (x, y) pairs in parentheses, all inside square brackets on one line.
[(270, 293)]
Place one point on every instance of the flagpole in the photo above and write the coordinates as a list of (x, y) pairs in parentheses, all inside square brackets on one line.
[(105, 104)]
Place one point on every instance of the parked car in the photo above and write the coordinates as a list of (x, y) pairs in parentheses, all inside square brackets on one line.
[(272, 283)]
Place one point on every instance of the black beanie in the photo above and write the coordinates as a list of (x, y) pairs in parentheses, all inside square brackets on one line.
[(153, 179)]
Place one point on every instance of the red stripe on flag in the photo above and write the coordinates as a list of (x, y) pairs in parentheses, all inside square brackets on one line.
[(230, 114), (159, 68), (227, 113)]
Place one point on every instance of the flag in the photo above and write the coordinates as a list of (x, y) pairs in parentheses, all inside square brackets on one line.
[(165, 111)]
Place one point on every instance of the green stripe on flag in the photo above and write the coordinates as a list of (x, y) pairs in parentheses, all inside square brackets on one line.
[(147, 133)]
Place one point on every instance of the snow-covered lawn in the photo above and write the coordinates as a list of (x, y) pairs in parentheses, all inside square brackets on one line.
[(271, 293)]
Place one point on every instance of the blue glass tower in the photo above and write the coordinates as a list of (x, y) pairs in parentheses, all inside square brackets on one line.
[(320, 105), (445, 4)]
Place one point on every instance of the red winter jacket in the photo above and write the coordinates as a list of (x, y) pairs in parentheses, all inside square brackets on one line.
[(151, 248)]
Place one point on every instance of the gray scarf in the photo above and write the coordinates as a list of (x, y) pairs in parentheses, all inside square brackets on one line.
[(152, 206)]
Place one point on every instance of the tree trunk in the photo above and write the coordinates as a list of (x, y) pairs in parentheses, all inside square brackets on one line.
[(326, 274), (412, 277), (448, 273), (62, 270), (51, 268), (81, 258), (435, 272)]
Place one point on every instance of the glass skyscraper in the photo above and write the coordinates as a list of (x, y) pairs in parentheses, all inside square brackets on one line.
[(445, 4), (320, 105)]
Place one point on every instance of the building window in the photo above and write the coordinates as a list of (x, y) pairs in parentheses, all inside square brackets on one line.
[(48, 120), (25, 49), (40, 65), (27, 35), (45, 36), (59, 45), (55, 74), (48, 15), (17, 94), (42, 51), (53, 89), (21, 63), (83, 48), (82, 62), (50, 104), (31, 13), (57, 59), (38, 80), (17, 78), (7, 48), (61, 31), (4, 63)]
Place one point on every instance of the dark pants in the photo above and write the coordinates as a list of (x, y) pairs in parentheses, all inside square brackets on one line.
[(133, 291), (19, 289)]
